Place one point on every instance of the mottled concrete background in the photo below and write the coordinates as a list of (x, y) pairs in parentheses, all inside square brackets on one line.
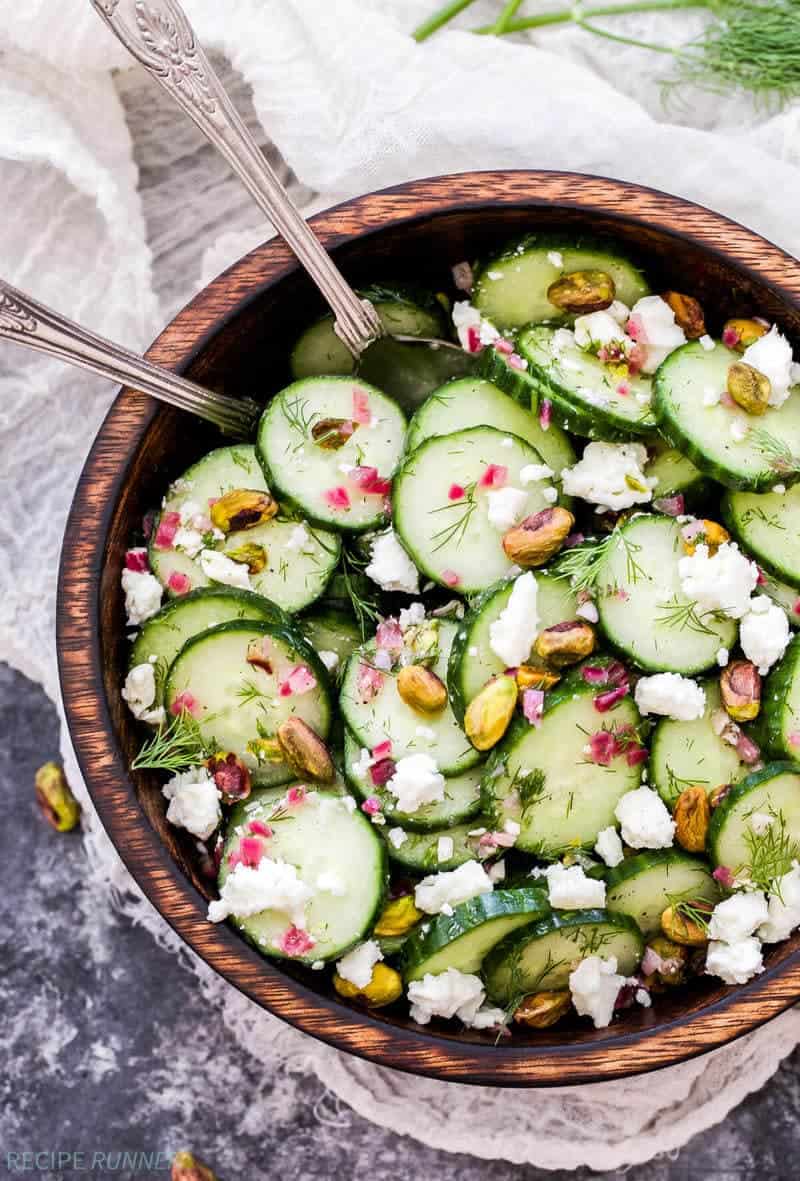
[(107, 1045)]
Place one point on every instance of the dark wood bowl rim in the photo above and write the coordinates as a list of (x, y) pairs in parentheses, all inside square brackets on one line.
[(409, 1048)]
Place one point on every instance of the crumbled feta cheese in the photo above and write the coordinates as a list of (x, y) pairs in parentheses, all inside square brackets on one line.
[(556, 258), (188, 541), (779, 489), (550, 495), (597, 329), (670, 695), (396, 837), (737, 917), (271, 885), (772, 356), (610, 475), (711, 396), (569, 888), (411, 616), (440, 892), (706, 343), (448, 994), (645, 820), (497, 872), (507, 441), (643, 998), (512, 827), (609, 846), (511, 635), (783, 908), (659, 334), (139, 691), (739, 430), (142, 596), (390, 565), (330, 883), (356, 967), (595, 986), (444, 848), (466, 320), (588, 611), (723, 656), (220, 568), (416, 781), (764, 633), (735, 963), (620, 311), (532, 472), (300, 540), (426, 733), (362, 765), (329, 659), (488, 1018), (505, 506), (722, 582), (193, 802)]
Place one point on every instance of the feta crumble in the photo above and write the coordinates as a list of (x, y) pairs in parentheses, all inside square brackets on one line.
[(645, 820), (556, 258), (356, 967), (329, 659), (505, 507), (448, 994), (659, 333), (440, 892), (706, 343), (772, 356), (533, 472), (444, 848), (735, 963), (569, 888), (764, 633), (416, 781), (193, 802), (609, 846), (300, 540), (271, 885), (720, 582), (139, 691), (597, 329), (737, 917), (588, 611), (466, 320), (411, 616), (670, 695), (610, 475), (723, 657), (511, 635), (739, 430), (396, 837), (595, 986), (390, 565), (142, 596), (220, 568), (783, 908)]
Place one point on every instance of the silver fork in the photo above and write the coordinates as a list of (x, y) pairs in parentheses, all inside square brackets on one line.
[(28, 322), (158, 34)]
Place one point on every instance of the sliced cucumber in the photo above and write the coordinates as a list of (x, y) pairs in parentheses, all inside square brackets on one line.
[(787, 597), (449, 536), (331, 631), (644, 886), (472, 661), (319, 351), (474, 402), (766, 527), (387, 716), (308, 472), (691, 754), (462, 940), (462, 794), (319, 835), (511, 289), (781, 705), (541, 956), (586, 397), (643, 610), (162, 637), (772, 791), (515, 381), (237, 703), (541, 777), (676, 475), (293, 577), (420, 851), (703, 433)]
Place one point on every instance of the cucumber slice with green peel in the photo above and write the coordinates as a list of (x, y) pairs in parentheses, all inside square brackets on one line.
[(319, 351), (780, 710), (386, 716), (691, 754), (518, 383), (542, 778), (313, 472), (463, 939), (320, 835), (475, 402), (733, 842), (765, 525), (331, 631), (163, 635), (472, 661), (441, 509), (787, 597), (644, 886), (643, 610), (293, 576), (541, 956), (703, 433), (238, 703), (420, 852), (586, 396), (676, 475), (511, 289), (462, 795)]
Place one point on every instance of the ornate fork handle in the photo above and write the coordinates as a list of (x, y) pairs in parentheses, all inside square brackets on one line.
[(30, 323), (158, 34)]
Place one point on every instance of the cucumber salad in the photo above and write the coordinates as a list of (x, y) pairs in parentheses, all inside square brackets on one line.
[(472, 680)]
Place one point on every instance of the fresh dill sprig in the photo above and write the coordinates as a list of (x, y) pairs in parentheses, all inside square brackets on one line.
[(295, 411), (248, 692), (583, 563), (174, 747), (529, 787), (685, 616), (771, 854), (771, 520), (365, 607), (454, 532), (676, 785), (693, 910), (778, 453)]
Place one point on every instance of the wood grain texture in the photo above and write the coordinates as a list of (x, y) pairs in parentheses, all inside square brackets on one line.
[(235, 336)]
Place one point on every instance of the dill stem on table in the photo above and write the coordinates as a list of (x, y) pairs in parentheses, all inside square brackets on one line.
[(440, 18), (578, 15)]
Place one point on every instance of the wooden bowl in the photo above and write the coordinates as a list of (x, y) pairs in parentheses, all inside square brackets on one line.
[(235, 336)]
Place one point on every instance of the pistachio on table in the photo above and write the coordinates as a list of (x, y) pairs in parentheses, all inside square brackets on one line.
[(490, 712), (581, 292), (536, 539), (55, 799)]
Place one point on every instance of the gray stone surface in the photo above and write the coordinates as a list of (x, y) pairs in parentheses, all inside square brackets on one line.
[(109, 1047)]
